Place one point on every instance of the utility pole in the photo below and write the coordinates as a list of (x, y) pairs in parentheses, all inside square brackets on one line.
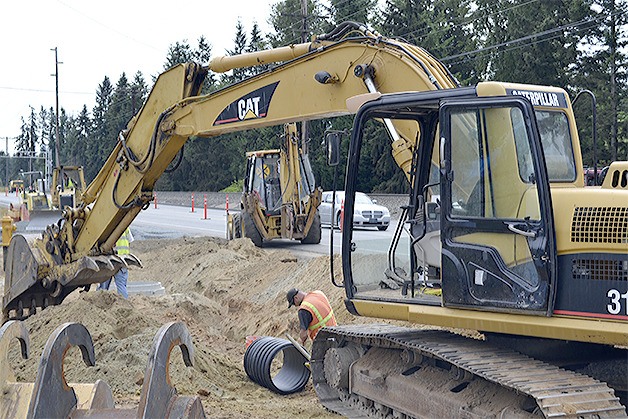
[(56, 75), (6, 167), (304, 36)]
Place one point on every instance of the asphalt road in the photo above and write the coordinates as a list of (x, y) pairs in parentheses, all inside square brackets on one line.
[(170, 221)]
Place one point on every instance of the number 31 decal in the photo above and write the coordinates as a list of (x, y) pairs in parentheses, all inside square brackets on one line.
[(616, 298)]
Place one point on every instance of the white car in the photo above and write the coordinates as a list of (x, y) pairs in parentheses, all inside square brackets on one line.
[(366, 212)]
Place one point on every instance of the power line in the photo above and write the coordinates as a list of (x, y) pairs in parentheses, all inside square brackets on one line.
[(484, 16), (533, 36), (26, 89), (108, 27)]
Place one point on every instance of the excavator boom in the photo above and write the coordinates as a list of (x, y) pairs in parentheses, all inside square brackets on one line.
[(310, 81)]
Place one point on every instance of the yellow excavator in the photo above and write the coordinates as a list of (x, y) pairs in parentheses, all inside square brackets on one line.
[(499, 236), (280, 198)]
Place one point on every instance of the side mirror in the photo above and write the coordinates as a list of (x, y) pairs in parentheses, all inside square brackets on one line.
[(332, 148)]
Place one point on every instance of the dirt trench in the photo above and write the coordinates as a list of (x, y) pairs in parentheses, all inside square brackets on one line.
[(224, 292)]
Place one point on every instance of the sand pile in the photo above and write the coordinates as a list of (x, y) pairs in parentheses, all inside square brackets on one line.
[(224, 292)]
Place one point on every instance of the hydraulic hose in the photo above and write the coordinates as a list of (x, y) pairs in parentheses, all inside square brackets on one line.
[(258, 360)]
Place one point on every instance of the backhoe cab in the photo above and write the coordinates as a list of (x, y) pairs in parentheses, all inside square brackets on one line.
[(280, 199), (68, 184)]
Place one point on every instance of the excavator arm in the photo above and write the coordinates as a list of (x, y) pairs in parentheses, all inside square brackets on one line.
[(311, 81)]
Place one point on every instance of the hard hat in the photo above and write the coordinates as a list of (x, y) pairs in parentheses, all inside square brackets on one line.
[(290, 296)]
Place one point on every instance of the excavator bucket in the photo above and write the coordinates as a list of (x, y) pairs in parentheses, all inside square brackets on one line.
[(51, 396), (31, 283)]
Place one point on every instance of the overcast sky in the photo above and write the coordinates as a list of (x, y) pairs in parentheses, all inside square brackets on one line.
[(101, 38)]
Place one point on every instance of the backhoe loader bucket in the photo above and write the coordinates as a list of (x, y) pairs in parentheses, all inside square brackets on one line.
[(30, 282), (51, 396), (38, 220)]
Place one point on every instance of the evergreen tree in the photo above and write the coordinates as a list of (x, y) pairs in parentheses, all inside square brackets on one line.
[(287, 21), (602, 68), (613, 38), (100, 133), (51, 134), (182, 52), (118, 115), (79, 130), (361, 11), (256, 40), (239, 47), (531, 42), (138, 92), (441, 27), (202, 55), (178, 53)]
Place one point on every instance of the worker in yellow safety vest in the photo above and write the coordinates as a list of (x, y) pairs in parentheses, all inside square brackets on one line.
[(123, 247), (314, 312)]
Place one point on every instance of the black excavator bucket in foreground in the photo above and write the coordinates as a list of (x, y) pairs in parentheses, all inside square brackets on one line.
[(31, 283)]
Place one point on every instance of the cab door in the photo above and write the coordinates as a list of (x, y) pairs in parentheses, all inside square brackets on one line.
[(498, 241)]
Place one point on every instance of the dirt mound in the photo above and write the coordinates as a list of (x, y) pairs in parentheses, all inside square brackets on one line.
[(224, 292)]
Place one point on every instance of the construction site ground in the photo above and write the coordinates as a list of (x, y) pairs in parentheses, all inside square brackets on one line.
[(224, 292)]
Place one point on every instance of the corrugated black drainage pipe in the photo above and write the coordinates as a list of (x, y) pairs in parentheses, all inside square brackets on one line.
[(258, 359)]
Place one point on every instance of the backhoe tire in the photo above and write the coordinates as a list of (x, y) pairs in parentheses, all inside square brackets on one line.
[(314, 235), (249, 229), (236, 232)]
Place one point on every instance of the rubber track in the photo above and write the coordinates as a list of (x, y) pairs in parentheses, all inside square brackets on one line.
[(558, 392)]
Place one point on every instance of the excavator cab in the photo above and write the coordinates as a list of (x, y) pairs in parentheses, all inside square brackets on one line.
[(482, 228), (478, 230)]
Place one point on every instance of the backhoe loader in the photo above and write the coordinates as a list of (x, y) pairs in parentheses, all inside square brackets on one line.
[(35, 211), (280, 199), (525, 253)]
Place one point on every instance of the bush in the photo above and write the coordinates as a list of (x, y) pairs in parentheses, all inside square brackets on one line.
[(236, 186)]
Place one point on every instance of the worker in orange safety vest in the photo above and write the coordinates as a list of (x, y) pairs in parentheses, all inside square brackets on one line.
[(314, 312)]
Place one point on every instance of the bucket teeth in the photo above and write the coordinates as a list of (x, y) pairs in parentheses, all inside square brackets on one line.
[(132, 260), (96, 269), (104, 262)]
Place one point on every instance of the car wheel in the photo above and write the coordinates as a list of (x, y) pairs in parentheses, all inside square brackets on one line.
[(382, 228)]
